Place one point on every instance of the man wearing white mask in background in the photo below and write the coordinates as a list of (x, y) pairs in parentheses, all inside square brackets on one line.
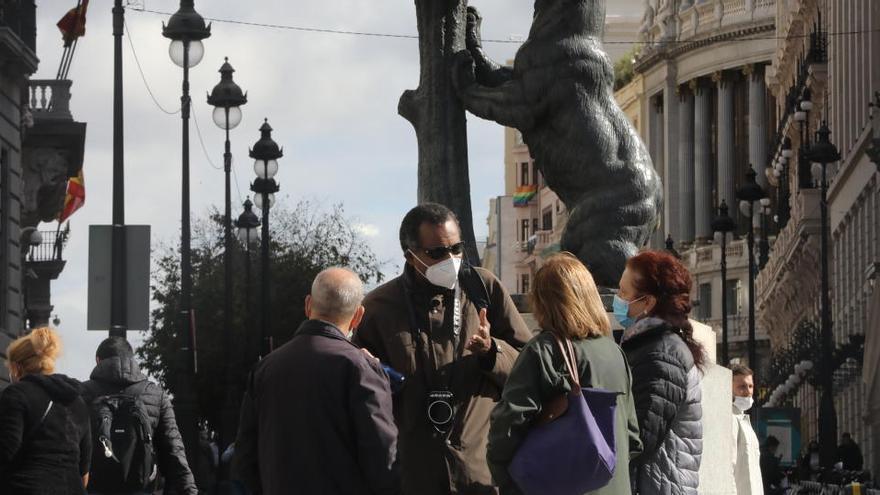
[(454, 333), (747, 458)]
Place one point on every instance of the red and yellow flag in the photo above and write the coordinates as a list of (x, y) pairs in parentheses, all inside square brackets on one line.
[(73, 24), (75, 198)]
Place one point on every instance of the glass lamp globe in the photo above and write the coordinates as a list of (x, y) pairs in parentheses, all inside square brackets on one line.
[(787, 153), (718, 237), (807, 106), (36, 237), (777, 173), (219, 117), (196, 52), (246, 235), (745, 208), (265, 169), (258, 200), (765, 201), (816, 170)]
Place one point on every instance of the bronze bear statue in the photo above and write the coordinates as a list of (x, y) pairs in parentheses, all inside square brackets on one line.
[(559, 95)]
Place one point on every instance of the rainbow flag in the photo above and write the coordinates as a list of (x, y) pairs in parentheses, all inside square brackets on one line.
[(75, 198), (523, 195)]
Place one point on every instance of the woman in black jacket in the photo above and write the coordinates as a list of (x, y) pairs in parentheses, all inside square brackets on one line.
[(653, 305), (45, 437)]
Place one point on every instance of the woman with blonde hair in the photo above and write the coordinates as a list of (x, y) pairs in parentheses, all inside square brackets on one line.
[(45, 435), (566, 303)]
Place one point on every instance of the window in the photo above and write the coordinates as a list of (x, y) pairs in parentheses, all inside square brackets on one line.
[(731, 296), (524, 173), (534, 225), (524, 284), (558, 206), (535, 176), (704, 310), (524, 230), (547, 219)]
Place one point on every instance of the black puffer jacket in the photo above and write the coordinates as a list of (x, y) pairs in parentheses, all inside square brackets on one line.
[(115, 375), (40, 454), (666, 389)]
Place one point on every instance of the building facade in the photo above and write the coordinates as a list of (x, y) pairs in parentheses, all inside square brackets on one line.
[(707, 117), (41, 147), (827, 54)]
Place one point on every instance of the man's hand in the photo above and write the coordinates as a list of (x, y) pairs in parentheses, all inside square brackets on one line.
[(481, 342)]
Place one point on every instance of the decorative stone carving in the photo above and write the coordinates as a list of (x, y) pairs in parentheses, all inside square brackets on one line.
[(46, 171)]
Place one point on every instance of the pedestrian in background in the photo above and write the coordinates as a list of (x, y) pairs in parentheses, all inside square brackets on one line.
[(316, 417), (747, 456), (653, 304), (849, 454), (567, 305), (45, 440)]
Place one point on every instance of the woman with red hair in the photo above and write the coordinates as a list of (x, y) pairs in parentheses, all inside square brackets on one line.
[(652, 304)]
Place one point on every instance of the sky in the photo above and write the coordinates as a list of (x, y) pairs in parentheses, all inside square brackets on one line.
[(331, 99)]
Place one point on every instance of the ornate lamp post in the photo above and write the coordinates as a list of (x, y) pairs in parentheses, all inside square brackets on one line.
[(748, 194), (822, 153), (723, 226), (784, 206), (802, 116), (249, 236), (764, 245), (186, 29), (265, 154), (227, 99), (118, 316)]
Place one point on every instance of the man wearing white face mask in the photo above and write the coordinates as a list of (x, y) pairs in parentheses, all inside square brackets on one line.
[(452, 330), (747, 459)]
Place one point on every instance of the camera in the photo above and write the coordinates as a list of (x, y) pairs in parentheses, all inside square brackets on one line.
[(440, 410)]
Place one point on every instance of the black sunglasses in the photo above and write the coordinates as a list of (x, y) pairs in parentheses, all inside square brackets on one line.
[(438, 253)]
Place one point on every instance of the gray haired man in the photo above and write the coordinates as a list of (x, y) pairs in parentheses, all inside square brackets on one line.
[(316, 417)]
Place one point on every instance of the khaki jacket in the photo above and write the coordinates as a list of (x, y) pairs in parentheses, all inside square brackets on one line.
[(432, 463)]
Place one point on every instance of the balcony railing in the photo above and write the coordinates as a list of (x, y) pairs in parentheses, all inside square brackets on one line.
[(50, 249), (50, 99)]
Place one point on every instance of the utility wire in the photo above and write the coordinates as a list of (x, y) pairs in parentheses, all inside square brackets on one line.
[(143, 77), (201, 140), (413, 36)]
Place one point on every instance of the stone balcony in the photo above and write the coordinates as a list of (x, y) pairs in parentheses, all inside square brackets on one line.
[(53, 145), (792, 268), (700, 21)]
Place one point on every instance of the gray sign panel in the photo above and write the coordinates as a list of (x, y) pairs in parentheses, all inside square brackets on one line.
[(137, 266)]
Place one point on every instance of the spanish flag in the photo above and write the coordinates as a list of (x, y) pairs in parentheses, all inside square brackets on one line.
[(73, 24), (75, 198)]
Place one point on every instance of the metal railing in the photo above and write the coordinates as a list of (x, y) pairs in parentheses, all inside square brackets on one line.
[(50, 98), (50, 249)]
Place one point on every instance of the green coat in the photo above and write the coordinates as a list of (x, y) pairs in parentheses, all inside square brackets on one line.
[(540, 375)]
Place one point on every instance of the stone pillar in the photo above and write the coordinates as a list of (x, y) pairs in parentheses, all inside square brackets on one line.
[(686, 163), (757, 122), (657, 150), (726, 156), (703, 211), (670, 155)]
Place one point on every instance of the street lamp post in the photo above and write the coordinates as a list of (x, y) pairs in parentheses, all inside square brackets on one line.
[(802, 116), (118, 317), (249, 236), (723, 226), (748, 194), (822, 153), (784, 206), (265, 154), (764, 245), (227, 99), (186, 29)]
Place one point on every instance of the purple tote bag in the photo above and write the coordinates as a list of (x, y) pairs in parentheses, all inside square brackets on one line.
[(574, 453)]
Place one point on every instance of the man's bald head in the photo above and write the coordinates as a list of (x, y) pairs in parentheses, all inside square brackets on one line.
[(336, 296)]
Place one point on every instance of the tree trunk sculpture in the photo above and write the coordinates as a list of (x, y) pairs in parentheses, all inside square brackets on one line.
[(438, 115), (559, 95)]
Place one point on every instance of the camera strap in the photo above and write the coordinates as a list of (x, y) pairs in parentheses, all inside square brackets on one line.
[(416, 329)]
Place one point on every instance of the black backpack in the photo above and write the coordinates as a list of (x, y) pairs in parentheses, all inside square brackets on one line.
[(123, 458)]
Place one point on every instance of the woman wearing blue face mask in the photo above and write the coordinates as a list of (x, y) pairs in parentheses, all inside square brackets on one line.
[(653, 305)]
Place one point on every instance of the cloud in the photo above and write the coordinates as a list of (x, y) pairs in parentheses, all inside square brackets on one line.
[(367, 230)]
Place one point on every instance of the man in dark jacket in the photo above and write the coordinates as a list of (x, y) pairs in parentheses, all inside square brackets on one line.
[(455, 333), (117, 372), (316, 417), (849, 453)]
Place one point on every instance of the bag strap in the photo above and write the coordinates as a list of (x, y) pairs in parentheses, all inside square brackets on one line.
[(570, 359)]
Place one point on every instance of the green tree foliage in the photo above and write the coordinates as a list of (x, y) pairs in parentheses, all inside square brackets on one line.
[(623, 68), (305, 240)]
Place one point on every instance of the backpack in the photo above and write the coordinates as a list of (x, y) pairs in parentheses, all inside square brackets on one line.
[(123, 458)]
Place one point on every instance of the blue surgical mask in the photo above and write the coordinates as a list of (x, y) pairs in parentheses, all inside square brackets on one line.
[(621, 311)]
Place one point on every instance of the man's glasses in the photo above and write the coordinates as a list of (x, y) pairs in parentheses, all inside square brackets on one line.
[(438, 253)]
